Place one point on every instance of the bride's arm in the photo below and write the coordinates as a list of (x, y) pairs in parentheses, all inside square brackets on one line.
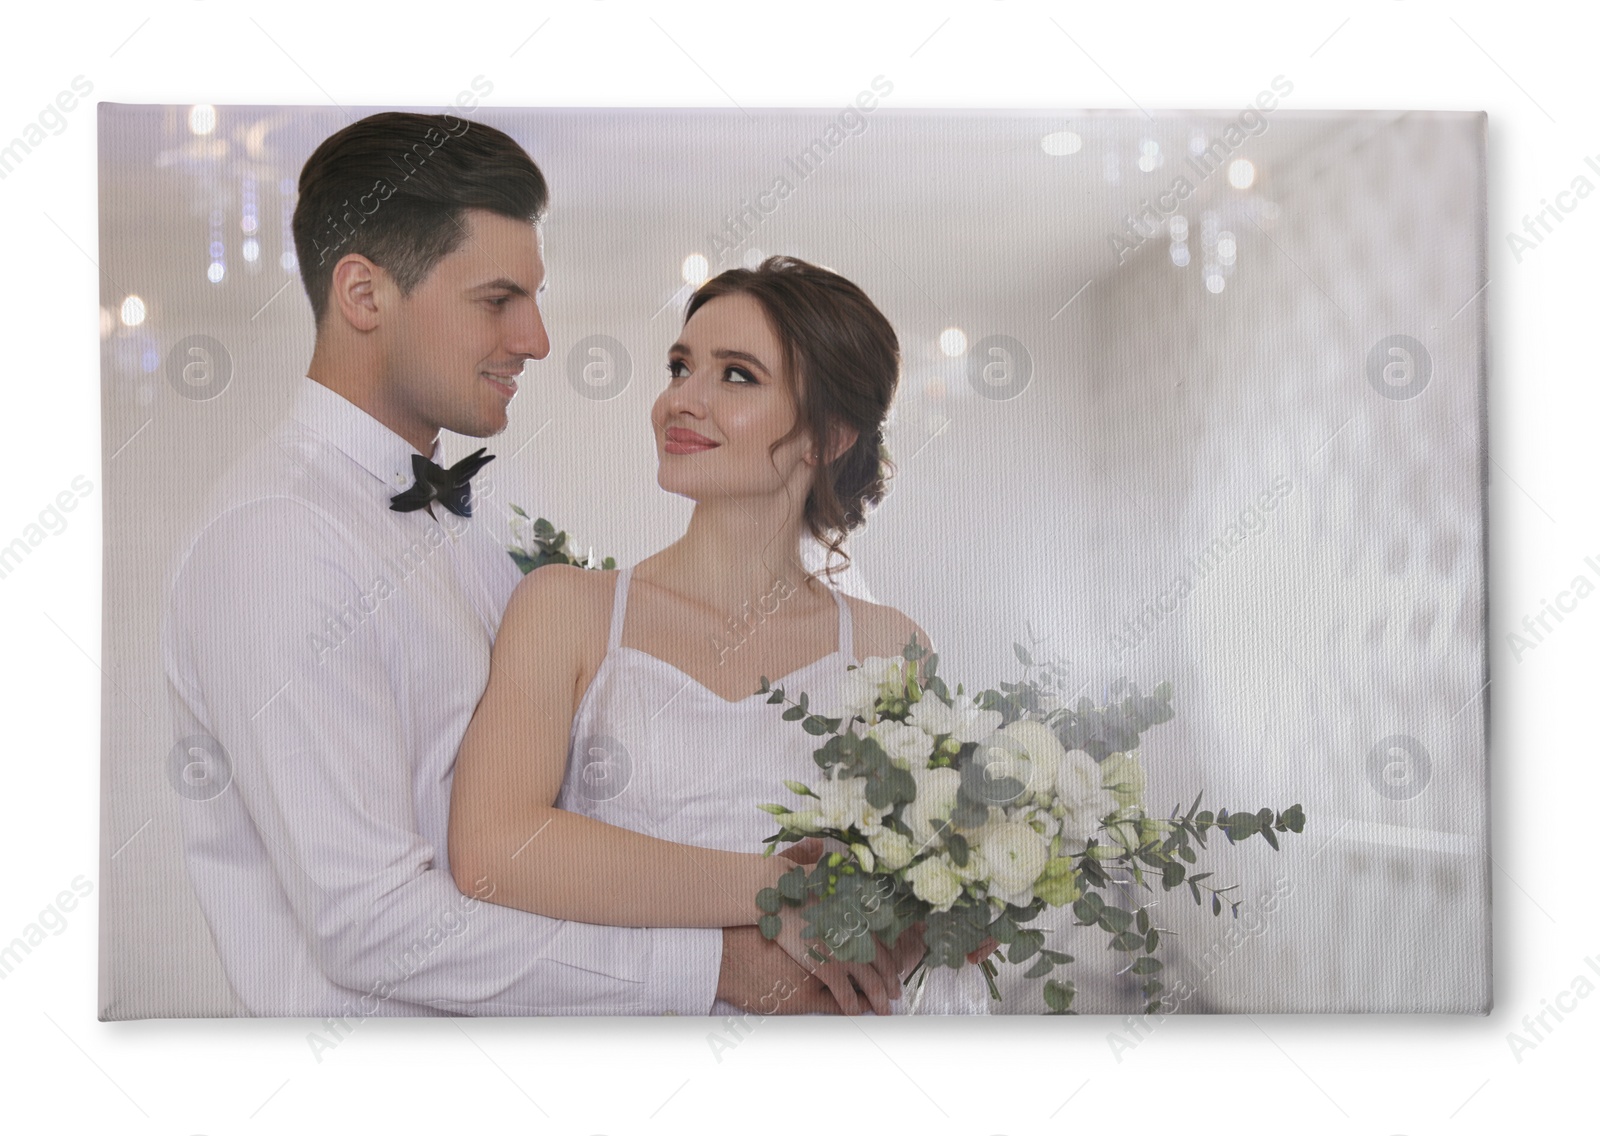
[(510, 845)]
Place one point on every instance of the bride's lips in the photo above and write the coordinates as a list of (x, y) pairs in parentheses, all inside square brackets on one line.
[(505, 383), (681, 441)]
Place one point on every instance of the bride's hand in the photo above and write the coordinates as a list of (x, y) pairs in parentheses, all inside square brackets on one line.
[(807, 851), (879, 979)]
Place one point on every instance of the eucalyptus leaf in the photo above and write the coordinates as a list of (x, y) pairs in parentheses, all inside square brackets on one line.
[(1027, 944), (791, 885), (1058, 995)]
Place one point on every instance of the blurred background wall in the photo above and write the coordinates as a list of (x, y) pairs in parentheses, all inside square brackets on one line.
[(1107, 377)]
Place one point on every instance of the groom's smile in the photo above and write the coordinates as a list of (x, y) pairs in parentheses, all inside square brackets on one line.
[(504, 381), (472, 324)]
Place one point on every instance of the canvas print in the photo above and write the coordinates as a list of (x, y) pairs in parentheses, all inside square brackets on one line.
[(859, 560)]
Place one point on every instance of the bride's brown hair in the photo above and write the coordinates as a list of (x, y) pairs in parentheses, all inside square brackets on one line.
[(843, 359)]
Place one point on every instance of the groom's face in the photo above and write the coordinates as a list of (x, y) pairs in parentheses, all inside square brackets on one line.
[(454, 354)]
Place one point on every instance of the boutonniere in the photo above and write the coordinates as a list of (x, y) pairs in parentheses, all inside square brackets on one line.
[(538, 542)]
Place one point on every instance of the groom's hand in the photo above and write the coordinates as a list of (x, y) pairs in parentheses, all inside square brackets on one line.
[(760, 977)]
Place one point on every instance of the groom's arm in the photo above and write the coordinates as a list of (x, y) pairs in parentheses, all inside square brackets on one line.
[(319, 757)]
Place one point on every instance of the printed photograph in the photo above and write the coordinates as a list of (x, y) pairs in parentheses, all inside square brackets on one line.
[(860, 560)]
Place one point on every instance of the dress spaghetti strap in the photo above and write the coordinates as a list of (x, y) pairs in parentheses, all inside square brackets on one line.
[(619, 609), (847, 648)]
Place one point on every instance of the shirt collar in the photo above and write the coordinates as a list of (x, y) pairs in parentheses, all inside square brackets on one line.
[(358, 435)]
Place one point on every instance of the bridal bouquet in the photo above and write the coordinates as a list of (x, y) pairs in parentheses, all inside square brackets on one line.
[(972, 815)]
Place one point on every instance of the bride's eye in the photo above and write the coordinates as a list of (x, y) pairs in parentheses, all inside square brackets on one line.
[(672, 368), (744, 374)]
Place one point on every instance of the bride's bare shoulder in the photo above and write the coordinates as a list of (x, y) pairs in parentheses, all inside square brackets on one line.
[(881, 630), (565, 598)]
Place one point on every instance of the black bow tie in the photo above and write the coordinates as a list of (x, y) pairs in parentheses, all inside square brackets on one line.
[(451, 487)]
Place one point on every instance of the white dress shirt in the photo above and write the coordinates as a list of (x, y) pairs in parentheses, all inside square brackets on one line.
[(324, 655)]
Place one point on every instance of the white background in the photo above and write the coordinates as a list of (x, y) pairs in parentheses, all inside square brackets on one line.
[(1528, 69)]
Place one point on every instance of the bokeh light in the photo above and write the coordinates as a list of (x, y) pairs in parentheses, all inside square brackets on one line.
[(1060, 143)]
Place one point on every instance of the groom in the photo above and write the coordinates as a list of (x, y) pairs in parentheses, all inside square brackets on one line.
[(330, 626)]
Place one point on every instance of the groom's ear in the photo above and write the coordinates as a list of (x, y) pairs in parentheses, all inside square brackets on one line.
[(355, 290)]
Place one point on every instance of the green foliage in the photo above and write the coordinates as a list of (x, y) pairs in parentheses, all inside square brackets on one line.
[(815, 724), (549, 547), (1116, 727), (1058, 994), (952, 935), (791, 887), (848, 910), (978, 791)]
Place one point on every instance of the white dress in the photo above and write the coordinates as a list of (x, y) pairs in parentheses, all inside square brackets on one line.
[(655, 751)]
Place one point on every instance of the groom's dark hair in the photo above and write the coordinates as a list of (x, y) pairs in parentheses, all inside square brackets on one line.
[(393, 188)]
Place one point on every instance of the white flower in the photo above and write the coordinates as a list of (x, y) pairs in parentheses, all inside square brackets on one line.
[(581, 554), (842, 803), (864, 856), (934, 883), (1045, 755), (905, 745), (1080, 791), (1015, 855), (962, 720), (936, 796), (975, 870), (1036, 817), (893, 849), (1003, 763), (806, 820), (863, 686)]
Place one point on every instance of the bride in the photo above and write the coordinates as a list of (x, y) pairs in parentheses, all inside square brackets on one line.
[(612, 771)]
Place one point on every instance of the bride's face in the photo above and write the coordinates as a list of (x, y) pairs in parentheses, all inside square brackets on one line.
[(727, 400)]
